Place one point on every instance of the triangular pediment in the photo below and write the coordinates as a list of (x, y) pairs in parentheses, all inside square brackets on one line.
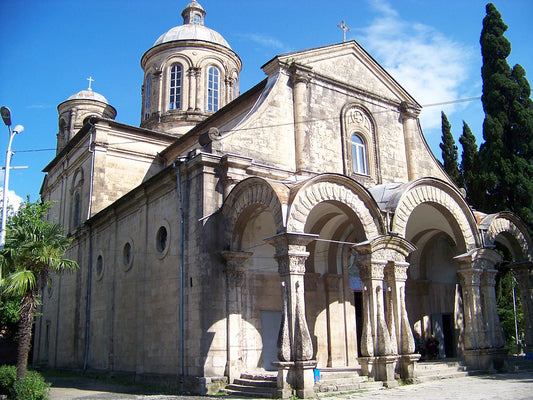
[(350, 64)]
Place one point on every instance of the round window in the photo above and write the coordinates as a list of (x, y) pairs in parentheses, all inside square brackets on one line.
[(161, 239), (127, 256)]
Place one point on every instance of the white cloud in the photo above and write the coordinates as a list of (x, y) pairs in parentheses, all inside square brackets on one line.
[(13, 201), (429, 65), (267, 42)]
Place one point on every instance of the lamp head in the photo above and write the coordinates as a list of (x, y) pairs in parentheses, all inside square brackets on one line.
[(18, 129), (6, 115)]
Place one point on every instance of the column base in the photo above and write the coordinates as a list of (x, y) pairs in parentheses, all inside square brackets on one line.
[(295, 378), (407, 365), (380, 368), (488, 360)]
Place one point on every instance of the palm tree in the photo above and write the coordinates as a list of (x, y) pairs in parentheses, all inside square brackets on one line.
[(33, 251)]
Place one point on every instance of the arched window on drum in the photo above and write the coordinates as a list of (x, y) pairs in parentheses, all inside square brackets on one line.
[(359, 155), (176, 80)]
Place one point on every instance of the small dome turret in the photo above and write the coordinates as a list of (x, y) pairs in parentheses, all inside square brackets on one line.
[(73, 112)]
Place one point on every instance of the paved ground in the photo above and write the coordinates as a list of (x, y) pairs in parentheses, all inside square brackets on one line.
[(515, 386)]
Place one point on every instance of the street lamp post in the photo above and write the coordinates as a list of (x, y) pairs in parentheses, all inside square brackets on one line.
[(6, 116)]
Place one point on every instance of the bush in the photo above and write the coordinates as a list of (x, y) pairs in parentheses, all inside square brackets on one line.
[(8, 375), (31, 387)]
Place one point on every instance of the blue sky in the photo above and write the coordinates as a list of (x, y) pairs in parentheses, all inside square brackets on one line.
[(50, 48)]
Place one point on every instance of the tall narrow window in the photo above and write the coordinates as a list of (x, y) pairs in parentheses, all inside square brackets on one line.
[(359, 155), (176, 76), (147, 96), (76, 210), (213, 84)]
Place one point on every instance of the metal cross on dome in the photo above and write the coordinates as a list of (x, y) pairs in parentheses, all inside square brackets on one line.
[(91, 80), (344, 30)]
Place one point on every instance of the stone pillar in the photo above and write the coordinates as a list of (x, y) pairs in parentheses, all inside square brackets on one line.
[(482, 331), (522, 273), (191, 74), (235, 273), (162, 96), (495, 336), (198, 99), (395, 277), (409, 114), (301, 75), (295, 348), (379, 351)]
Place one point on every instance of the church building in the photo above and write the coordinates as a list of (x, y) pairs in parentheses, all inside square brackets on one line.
[(301, 226)]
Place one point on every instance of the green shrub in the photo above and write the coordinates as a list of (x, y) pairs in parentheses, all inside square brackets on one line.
[(31, 387), (8, 375)]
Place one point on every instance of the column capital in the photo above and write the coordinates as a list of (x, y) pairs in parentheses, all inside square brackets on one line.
[(479, 258), (470, 277), (409, 110), (290, 241), (300, 73)]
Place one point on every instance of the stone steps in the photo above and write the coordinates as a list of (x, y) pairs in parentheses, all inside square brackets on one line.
[(441, 369), (335, 381), (519, 364), (250, 385)]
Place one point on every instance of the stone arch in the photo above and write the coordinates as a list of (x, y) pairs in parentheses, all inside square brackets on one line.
[(331, 187), (448, 199), (248, 196), (508, 229)]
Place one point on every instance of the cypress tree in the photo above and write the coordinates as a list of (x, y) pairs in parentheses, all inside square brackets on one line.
[(506, 156), (469, 167), (449, 152)]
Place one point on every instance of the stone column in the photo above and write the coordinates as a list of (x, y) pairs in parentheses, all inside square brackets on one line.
[(198, 99), (235, 273), (295, 348), (395, 277), (488, 294), (191, 74), (409, 114), (522, 273), (379, 351), (162, 96), (300, 75), (482, 344)]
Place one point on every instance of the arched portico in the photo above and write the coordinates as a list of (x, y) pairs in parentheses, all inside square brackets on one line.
[(507, 230)]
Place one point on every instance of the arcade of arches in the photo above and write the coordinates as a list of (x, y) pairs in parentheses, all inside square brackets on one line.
[(358, 278)]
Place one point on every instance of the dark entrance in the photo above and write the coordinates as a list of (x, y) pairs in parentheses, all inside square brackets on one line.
[(358, 303)]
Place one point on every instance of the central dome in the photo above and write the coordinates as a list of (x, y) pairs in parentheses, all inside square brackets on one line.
[(193, 28)]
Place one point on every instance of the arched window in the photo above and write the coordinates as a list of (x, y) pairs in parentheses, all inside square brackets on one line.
[(176, 79), (359, 161), (213, 84), (147, 96), (76, 208)]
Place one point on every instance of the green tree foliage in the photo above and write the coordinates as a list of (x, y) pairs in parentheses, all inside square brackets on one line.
[(449, 152), (34, 250), (9, 317), (506, 156), (470, 168)]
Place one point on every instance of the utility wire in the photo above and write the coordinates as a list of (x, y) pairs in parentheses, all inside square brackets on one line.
[(469, 99)]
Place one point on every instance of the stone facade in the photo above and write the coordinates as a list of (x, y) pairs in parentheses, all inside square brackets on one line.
[(304, 225)]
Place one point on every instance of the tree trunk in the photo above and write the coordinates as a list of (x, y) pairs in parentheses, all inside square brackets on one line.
[(27, 312)]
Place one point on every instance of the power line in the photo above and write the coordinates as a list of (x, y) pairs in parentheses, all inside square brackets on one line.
[(469, 99)]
